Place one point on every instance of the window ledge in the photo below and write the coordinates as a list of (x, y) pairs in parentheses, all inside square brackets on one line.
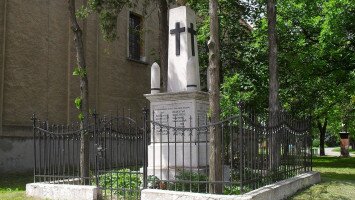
[(137, 61)]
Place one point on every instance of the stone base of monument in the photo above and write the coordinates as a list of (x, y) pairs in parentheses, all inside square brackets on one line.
[(168, 160), (174, 147), (169, 174), (276, 191), (178, 155)]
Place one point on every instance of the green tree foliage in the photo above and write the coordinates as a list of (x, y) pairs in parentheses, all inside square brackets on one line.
[(316, 57), (233, 33)]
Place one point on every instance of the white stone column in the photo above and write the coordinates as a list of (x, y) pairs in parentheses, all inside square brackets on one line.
[(191, 79), (182, 47), (155, 79)]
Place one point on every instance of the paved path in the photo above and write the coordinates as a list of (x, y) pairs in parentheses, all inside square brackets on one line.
[(329, 152)]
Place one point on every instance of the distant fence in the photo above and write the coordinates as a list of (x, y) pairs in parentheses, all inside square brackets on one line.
[(126, 157)]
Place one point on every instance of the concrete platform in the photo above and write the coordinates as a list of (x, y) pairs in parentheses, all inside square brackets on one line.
[(276, 191), (62, 191)]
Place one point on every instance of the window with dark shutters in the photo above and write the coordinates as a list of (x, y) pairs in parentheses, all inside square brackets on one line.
[(135, 43)]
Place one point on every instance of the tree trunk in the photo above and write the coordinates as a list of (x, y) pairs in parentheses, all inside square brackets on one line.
[(164, 41), (322, 129), (84, 108), (273, 71), (273, 84), (215, 156)]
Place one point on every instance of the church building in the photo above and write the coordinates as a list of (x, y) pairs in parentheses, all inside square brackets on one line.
[(37, 58)]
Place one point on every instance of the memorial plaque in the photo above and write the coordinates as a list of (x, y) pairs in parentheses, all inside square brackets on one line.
[(172, 115)]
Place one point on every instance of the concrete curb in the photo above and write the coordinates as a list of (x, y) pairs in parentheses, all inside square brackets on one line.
[(62, 191), (276, 191)]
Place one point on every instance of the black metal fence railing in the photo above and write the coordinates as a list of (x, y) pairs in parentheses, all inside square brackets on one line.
[(56, 153), (253, 155), (173, 152), (116, 151)]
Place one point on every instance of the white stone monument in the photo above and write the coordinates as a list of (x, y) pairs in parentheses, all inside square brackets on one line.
[(182, 47), (184, 105)]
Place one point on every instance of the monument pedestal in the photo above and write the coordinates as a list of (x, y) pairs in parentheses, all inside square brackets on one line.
[(175, 144)]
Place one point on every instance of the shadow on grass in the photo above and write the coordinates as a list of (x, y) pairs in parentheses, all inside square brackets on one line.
[(15, 182), (334, 162), (339, 176), (326, 190)]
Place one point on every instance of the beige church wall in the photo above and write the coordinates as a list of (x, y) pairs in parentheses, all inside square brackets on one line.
[(26, 62), (2, 27), (40, 56), (57, 60)]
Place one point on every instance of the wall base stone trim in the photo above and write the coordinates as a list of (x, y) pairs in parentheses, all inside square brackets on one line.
[(276, 191), (62, 191)]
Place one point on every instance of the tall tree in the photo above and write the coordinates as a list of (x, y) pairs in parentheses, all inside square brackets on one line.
[(273, 83), (273, 71), (83, 101), (215, 156), (108, 12), (163, 42), (322, 129)]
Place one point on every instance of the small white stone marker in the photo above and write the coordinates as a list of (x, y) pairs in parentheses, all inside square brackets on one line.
[(191, 76), (182, 47), (155, 79)]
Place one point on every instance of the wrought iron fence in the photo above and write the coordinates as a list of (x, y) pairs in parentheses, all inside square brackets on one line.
[(253, 154), (173, 152), (116, 155), (56, 152)]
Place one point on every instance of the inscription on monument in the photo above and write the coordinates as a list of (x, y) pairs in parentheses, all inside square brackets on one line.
[(174, 115)]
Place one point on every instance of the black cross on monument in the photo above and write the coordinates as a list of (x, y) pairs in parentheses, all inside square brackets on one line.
[(193, 33), (177, 32)]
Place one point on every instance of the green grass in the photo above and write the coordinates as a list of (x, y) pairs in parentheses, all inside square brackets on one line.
[(337, 149), (338, 180), (13, 186)]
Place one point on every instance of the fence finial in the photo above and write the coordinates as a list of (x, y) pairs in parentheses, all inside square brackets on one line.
[(33, 118)]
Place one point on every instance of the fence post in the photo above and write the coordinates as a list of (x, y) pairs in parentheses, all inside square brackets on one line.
[(145, 146), (310, 139), (96, 143), (34, 146), (240, 106)]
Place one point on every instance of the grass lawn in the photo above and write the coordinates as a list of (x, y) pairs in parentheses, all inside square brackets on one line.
[(13, 186), (338, 180)]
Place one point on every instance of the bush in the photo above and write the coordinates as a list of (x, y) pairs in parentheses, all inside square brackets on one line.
[(231, 190), (185, 176), (153, 182)]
